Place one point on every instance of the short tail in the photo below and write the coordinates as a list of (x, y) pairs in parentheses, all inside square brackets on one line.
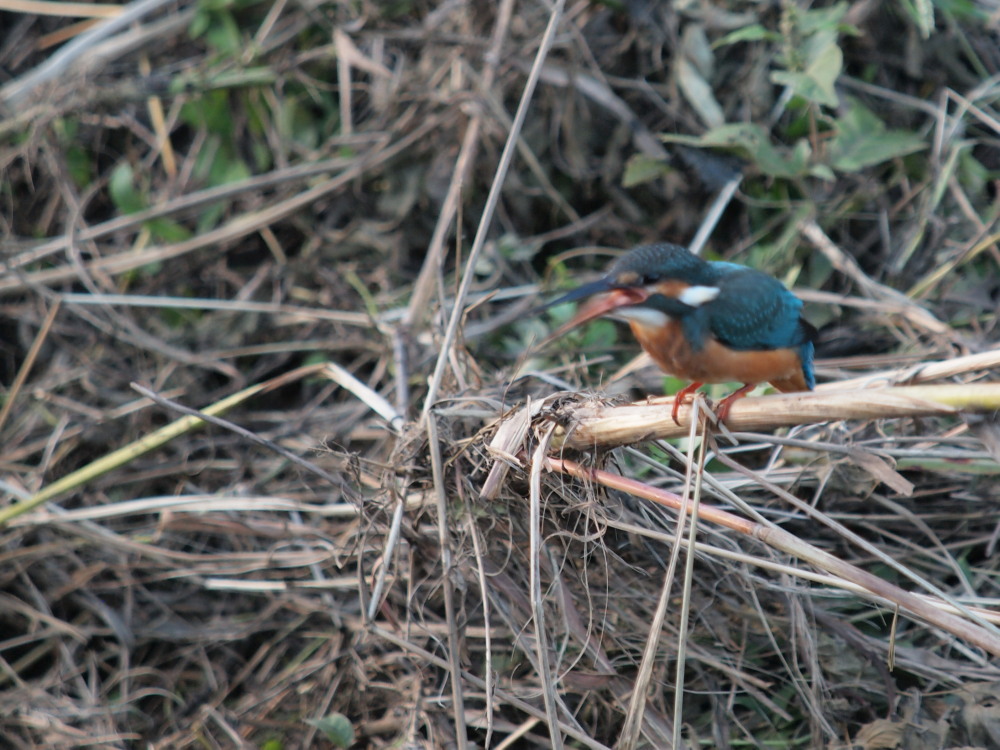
[(805, 378)]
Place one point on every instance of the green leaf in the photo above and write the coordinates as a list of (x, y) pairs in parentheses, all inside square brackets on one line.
[(599, 335), (862, 140), (822, 172), (78, 162), (641, 169), (822, 19), (317, 358), (211, 216), (233, 170), (337, 728), (752, 33), (972, 175), (120, 182), (754, 143), (672, 385), (922, 14), (215, 5), (735, 134), (211, 110), (122, 190), (698, 93), (773, 162), (199, 24), (966, 11), (297, 121), (214, 20), (874, 149), (167, 230), (816, 82)]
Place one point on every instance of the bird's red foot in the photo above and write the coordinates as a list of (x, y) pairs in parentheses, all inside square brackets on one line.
[(723, 411), (679, 399)]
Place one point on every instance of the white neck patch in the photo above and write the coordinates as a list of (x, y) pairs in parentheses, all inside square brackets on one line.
[(696, 296)]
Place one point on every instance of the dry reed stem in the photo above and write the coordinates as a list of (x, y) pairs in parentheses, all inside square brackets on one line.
[(597, 425), (22, 374), (690, 503), (848, 266), (852, 537), (542, 652), (921, 372), (55, 8), (447, 586)]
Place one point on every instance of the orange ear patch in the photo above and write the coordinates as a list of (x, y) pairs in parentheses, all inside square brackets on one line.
[(670, 288)]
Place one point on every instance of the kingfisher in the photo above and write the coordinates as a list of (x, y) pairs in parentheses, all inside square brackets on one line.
[(704, 321)]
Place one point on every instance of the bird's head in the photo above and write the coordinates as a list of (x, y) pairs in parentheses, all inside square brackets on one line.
[(647, 286)]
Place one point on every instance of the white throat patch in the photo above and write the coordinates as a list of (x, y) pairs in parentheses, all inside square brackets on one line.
[(642, 315)]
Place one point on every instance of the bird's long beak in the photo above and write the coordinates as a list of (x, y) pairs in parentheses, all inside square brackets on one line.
[(604, 299), (581, 292)]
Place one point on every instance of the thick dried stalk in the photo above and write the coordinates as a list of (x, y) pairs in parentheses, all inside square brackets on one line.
[(598, 425)]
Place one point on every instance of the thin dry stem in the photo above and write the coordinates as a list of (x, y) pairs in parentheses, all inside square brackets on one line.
[(437, 468), (535, 583)]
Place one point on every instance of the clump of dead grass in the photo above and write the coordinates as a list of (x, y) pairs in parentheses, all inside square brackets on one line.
[(411, 538)]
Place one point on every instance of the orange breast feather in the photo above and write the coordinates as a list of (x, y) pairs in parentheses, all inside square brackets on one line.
[(717, 363)]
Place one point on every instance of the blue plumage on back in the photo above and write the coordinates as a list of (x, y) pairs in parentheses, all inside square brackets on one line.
[(754, 311)]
